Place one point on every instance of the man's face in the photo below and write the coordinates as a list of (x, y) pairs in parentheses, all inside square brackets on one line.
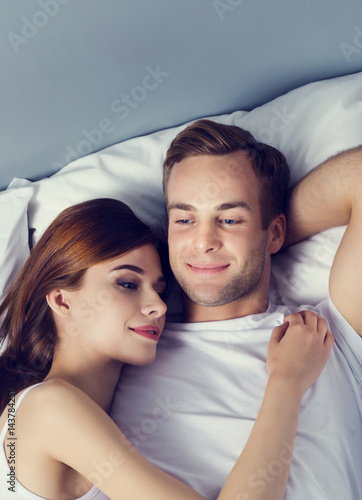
[(218, 249)]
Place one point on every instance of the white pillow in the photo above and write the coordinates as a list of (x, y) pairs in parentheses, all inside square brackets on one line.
[(308, 125), (311, 123), (14, 248), (130, 171)]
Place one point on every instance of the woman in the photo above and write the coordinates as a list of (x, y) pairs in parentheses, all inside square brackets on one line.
[(87, 301)]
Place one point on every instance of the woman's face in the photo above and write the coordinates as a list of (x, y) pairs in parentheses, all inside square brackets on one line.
[(118, 312)]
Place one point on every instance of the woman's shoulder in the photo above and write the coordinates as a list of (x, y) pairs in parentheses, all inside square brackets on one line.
[(48, 391), (33, 398), (50, 387), (53, 400), (54, 414)]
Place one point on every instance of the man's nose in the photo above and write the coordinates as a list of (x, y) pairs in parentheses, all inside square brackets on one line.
[(206, 238)]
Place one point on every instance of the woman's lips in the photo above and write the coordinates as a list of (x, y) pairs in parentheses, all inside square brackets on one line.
[(151, 332)]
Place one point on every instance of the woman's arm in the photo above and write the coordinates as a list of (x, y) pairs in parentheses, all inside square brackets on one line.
[(298, 351), (75, 431)]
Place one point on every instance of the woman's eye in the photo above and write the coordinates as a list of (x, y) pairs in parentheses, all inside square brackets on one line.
[(129, 285), (161, 292)]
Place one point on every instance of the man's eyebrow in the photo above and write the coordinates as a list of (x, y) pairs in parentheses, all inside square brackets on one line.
[(224, 206), (181, 206), (234, 204), (137, 270)]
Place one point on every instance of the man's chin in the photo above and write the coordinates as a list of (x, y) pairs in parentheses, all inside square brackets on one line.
[(207, 299)]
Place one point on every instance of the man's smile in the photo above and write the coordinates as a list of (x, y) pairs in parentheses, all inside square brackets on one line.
[(207, 268)]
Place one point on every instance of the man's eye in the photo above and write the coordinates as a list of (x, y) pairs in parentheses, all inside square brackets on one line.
[(230, 222), (184, 222)]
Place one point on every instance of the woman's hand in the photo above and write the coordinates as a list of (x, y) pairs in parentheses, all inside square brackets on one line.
[(297, 353), (299, 349)]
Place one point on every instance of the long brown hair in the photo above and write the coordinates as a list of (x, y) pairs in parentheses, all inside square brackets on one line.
[(205, 137), (81, 236)]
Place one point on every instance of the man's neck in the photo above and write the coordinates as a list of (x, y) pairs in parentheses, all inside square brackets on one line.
[(194, 313)]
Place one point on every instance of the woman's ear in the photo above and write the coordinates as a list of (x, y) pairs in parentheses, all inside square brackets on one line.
[(58, 302), (277, 233)]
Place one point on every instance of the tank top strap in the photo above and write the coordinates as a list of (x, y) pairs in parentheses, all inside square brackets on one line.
[(12, 408)]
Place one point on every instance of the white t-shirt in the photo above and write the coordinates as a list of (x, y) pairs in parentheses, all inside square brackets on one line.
[(192, 410)]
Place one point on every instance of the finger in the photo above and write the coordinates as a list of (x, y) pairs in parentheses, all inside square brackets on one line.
[(329, 340), (279, 332), (310, 318), (295, 319), (322, 326)]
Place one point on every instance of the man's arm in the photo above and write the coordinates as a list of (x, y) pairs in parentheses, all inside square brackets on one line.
[(329, 196)]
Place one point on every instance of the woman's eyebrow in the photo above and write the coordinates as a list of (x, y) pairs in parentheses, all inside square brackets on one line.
[(136, 269)]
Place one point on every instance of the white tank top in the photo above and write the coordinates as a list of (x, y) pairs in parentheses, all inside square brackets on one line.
[(10, 488)]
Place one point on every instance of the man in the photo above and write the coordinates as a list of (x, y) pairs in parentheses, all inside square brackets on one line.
[(192, 411)]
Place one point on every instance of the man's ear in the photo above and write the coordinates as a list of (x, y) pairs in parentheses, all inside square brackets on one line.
[(277, 233), (58, 302), (167, 222)]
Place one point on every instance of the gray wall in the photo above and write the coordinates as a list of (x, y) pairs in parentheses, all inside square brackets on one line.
[(79, 75)]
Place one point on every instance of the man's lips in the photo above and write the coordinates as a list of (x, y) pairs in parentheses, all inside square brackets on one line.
[(148, 331), (207, 268)]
